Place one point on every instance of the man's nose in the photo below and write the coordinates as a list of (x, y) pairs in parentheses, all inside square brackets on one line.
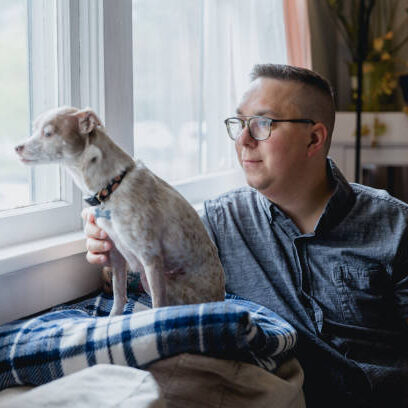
[(19, 148), (245, 137)]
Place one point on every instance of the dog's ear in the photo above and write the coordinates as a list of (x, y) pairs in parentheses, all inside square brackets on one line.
[(87, 121)]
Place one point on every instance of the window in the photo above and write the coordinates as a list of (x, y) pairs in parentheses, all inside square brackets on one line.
[(35, 202), (14, 112), (30, 86), (191, 62)]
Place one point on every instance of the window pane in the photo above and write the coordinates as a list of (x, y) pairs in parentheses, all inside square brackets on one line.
[(166, 92), (28, 86), (14, 106)]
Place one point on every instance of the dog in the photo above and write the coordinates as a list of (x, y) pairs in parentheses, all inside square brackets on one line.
[(151, 226)]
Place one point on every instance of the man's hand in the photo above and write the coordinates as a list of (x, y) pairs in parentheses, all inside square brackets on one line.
[(98, 246), (97, 242)]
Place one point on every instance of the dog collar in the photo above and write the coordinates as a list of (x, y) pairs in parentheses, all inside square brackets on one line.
[(103, 194)]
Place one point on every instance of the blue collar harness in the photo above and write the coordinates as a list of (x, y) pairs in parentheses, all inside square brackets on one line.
[(103, 194)]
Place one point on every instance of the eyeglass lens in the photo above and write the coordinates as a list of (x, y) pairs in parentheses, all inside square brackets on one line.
[(259, 128)]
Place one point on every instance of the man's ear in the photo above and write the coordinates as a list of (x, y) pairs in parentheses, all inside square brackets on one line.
[(87, 121), (317, 139)]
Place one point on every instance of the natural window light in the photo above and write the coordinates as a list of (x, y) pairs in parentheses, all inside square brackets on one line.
[(191, 62), (14, 112), (21, 64), (35, 54)]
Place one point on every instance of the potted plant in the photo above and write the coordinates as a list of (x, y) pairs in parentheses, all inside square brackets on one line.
[(384, 39)]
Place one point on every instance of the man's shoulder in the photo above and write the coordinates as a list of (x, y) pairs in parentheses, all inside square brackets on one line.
[(240, 204), (378, 198), (240, 196), (236, 208)]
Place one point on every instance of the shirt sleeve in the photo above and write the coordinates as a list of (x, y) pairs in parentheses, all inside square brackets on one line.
[(208, 218), (400, 278), (401, 291)]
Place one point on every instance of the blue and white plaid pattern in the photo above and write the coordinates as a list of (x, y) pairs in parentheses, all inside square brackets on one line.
[(73, 337)]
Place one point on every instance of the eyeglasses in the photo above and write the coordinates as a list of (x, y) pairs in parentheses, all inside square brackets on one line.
[(259, 126)]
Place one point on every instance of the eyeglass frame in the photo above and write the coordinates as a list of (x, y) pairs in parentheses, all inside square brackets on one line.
[(248, 119)]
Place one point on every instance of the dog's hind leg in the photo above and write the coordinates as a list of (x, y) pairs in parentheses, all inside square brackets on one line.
[(154, 270), (119, 281)]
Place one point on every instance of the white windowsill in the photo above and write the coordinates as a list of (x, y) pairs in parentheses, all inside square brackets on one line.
[(16, 257)]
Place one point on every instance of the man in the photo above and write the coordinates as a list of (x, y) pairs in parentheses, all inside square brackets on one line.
[(329, 257)]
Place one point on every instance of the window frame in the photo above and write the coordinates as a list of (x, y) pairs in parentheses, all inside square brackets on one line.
[(39, 221), (48, 268)]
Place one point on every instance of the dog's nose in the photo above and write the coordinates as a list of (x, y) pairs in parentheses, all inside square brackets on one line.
[(19, 148)]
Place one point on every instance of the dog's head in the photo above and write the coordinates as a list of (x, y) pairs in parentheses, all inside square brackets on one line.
[(58, 135)]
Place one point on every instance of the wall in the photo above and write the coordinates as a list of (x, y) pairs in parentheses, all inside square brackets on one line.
[(42, 286)]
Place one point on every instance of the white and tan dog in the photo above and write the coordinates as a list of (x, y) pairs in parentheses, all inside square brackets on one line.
[(150, 224)]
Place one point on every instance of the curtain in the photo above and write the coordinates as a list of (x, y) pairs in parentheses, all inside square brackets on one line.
[(297, 33), (192, 61), (237, 35)]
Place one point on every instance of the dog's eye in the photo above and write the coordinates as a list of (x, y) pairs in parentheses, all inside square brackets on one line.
[(94, 159), (47, 134)]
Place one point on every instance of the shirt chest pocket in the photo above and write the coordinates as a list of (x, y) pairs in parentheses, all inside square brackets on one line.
[(362, 295)]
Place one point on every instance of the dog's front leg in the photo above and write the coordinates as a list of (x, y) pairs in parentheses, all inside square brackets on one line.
[(119, 281)]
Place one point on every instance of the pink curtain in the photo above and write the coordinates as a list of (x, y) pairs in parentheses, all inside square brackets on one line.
[(297, 33)]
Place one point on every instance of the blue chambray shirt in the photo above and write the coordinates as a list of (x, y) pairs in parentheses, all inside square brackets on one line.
[(344, 286)]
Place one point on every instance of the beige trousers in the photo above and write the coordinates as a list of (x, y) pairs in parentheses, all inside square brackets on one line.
[(184, 381), (196, 381)]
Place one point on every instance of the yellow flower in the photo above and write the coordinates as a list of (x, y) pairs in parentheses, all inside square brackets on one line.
[(365, 130), (388, 84), (389, 35), (385, 56), (368, 67), (378, 44)]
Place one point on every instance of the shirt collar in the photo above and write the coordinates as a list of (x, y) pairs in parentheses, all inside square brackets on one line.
[(338, 206), (340, 202)]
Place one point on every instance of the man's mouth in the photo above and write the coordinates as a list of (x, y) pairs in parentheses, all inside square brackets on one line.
[(250, 163)]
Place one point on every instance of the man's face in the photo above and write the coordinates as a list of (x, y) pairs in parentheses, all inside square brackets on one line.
[(273, 165)]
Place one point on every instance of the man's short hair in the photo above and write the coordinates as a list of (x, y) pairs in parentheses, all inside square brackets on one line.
[(321, 108)]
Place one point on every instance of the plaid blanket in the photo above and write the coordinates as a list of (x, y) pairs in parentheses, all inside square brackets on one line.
[(72, 337)]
